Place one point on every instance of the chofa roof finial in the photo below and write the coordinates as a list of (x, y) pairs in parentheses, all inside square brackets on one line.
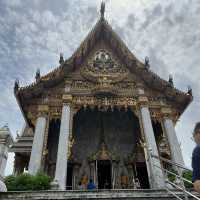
[(16, 86), (171, 82), (189, 90), (37, 75), (102, 9), (147, 65), (61, 61)]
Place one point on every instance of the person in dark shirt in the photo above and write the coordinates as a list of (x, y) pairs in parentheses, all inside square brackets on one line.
[(196, 158), (91, 185)]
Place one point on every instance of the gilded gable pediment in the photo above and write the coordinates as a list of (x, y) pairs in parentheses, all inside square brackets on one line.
[(104, 71), (103, 67)]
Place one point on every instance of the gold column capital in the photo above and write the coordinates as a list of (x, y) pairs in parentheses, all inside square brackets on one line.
[(143, 101), (68, 81), (67, 98), (166, 112), (68, 84), (42, 110), (140, 89)]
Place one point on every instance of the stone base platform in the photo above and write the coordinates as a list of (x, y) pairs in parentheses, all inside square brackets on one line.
[(96, 194)]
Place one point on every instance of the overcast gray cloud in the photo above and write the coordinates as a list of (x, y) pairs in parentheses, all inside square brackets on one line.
[(33, 33)]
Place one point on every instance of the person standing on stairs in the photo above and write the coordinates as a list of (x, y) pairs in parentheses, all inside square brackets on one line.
[(196, 158)]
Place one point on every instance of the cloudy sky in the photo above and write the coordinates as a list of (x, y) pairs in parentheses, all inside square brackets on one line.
[(33, 33)]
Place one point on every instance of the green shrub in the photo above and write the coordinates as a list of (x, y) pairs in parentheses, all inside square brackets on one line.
[(10, 182), (26, 181), (41, 182), (188, 175), (172, 177)]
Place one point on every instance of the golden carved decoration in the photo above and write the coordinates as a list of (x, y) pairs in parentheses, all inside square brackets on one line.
[(43, 108), (67, 98), (102, 66), (82, 85), (55, 111), (70, 144), (45, 152), (67, 87), (30, 115), (55, 115), (104, 88), (103, 154), (156, 114), (104, 71), (104, 101), (126, 85), (68, 82), (164, 146), (166, 112), (142, 100)]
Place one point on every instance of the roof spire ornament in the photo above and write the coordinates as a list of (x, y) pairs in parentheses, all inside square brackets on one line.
[(16, 86), (171, 80), (189, 90), (102, 9), (37, 75), (61, 58), (147, 65)]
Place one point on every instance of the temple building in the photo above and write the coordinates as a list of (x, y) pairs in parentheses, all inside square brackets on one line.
[(101, 114)]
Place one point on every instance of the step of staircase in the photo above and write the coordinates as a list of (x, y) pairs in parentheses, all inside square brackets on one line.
[(96, 194)]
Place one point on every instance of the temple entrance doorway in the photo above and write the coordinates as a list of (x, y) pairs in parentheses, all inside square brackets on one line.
[(105, 140), (104, 174), (142, 175), (69, 177)]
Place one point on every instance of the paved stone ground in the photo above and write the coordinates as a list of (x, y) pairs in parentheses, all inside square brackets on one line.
[(97, 194)]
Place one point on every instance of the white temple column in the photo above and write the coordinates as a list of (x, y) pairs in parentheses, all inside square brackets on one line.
[(3, 158), (157, 176), (61, 163), (5, 140), (175, 149), (37, 147)]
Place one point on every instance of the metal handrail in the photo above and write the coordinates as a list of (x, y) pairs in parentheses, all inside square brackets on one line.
[(186, 180), (185, 191), (173, 193), (178, 176), (171, 162)]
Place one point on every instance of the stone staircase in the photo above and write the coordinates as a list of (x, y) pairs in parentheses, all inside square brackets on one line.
[(96, 194)]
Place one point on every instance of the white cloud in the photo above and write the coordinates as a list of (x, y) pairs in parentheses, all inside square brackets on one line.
[(12, 3)]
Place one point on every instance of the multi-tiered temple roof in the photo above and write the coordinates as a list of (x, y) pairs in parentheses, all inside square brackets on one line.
[(102, 32)]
